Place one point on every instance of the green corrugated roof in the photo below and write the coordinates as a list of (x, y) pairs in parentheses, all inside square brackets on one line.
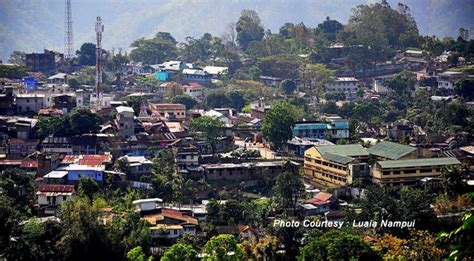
[(351, 150), (418, 162), (390, 150), (337, 158)]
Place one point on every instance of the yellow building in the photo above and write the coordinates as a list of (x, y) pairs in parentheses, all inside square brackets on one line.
[(409, 172), (337, 165)]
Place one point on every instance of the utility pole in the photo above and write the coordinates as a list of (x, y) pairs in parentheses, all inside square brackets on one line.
[(68, 36), (99, 28)]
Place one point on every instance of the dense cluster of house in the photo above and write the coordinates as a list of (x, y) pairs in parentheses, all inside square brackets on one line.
[(138, 136)]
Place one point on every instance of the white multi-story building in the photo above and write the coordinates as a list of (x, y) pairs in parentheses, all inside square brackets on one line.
[(346, 85), (125, 121)]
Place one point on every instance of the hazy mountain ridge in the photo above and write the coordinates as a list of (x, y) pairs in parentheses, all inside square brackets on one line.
[(31, 25)]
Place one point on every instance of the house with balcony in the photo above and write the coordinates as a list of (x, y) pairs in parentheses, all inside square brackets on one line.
[(193, 90), (50, 197)]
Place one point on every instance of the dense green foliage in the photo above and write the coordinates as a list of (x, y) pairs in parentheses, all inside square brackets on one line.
[(156, 50), (78, 122), (337, 245), (278, 123), (211, 129)]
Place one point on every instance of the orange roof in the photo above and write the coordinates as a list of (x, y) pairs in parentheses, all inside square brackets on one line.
[(29, 163), (245, 228), (20, 141), (87, 160), (153, 219), (56, 188), (321, 196), (50, 111)]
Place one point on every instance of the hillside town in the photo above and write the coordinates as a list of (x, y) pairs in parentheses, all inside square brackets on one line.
[(249, 146)]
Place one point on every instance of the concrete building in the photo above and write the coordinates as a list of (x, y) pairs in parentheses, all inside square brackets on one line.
[(409, 172), (346, 85), (216, 71), (194, 90), (336, 165), (46, 61), (379, 86), (196, 75), (242, 171), (29, 103), (168, 111), (50, 197), (447, 80), (334, 127), (125, 121)]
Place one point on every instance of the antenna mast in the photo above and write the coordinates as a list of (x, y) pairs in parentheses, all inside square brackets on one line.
[(99, 28), (68, 37)]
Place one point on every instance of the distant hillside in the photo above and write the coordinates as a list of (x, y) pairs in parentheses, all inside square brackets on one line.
[(31, 25)]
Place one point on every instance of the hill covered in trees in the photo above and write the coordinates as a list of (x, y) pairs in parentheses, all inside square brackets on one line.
[(33, 25)]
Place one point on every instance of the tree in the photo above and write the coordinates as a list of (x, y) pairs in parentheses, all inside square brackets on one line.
[(331, 26), (283, 67), (82, 121), (452, 179), (36, 240), (88, 188), (217, 100), (83, 236), (78, 122), (223, 248), (288, 86), (237, 100), (420, 245), (380, 20), (461, 239), (402, 203), (465, 89), (156, 50), (136, 103), (287, 190), (317, 75), (278, 123), (8, 221), (136, 254), (73, 83), (210, 127), (87, 54), (19, 187), (337, 245), (403, 84), (186, 100), (12, 71), (178, 252), (249, 28), (18, 58)]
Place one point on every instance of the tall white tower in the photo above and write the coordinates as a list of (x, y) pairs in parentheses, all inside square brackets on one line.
[(68, 37), (99, 28)]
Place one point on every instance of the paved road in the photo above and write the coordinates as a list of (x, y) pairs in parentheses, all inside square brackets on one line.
[(264, 152)]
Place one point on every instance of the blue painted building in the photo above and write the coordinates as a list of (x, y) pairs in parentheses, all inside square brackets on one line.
[(75, 173), (162, 76), (333, 127)]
